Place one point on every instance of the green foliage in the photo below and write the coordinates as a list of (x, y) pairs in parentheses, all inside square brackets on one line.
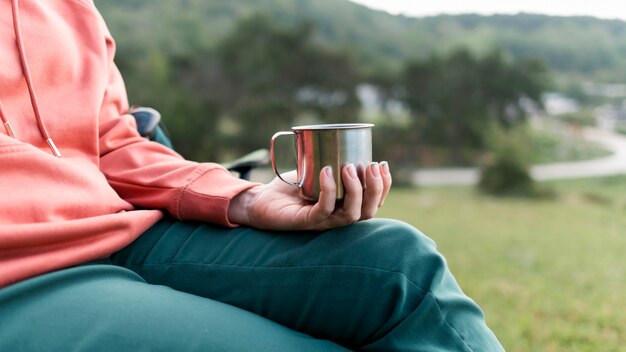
[(454, 98), (506, 170), (226, 75), (224, 93), (581, 47), (581, 118), (269, 76)]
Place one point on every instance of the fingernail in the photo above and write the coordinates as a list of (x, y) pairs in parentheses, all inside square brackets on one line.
[(385, 168), (375, 169), (352, 171), (329, 171)]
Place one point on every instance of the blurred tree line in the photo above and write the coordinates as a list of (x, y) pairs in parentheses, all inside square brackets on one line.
[(228, 100), (224, 98), (575, 48)]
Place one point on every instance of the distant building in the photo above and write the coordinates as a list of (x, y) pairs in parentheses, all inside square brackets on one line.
[(369, 98), (556, 103), (610, 116), (373, 105)]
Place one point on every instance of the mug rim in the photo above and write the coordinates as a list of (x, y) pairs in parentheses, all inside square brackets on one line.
[(333, 126)]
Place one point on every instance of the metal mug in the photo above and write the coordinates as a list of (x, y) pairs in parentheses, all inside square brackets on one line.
[(318, 146)]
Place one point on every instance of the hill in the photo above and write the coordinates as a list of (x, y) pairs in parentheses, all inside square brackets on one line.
[(575, 47)]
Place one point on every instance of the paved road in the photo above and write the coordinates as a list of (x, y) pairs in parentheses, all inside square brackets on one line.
[(614, 164)]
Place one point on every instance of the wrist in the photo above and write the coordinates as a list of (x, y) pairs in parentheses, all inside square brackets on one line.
[(239, 207)]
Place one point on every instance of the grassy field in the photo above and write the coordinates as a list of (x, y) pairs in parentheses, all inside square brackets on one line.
[(549, 274)]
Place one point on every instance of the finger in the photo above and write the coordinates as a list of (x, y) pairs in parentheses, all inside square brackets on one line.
[(373, 191), (386, 176), (353, 198), (325, 205)]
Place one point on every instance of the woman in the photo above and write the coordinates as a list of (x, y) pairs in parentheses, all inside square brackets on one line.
[(90, 262)]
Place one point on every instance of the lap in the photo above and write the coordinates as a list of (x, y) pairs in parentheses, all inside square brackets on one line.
[(109, 308), (344, 285), (380, 244), (372, 286)]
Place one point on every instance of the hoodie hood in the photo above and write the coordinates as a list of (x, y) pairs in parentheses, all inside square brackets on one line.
[(31, 90)]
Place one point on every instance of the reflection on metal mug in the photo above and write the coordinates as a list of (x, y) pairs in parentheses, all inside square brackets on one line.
[(334, 145)]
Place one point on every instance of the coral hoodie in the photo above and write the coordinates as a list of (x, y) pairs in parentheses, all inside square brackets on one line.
[(61, 94)]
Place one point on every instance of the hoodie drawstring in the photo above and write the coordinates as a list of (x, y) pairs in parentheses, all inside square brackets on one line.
[(5, 122), (31, 91)]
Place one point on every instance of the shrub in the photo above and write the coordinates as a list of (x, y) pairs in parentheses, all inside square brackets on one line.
[(505, 170)]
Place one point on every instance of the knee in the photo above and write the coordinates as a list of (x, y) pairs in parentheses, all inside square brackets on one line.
[(407, 261), (401, 233), (397, 246), (394, 236)]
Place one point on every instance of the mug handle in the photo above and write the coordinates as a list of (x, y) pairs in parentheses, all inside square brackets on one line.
[(274, 138)]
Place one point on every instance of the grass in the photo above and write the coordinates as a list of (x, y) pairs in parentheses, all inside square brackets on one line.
[(550, 275), (562, 145)]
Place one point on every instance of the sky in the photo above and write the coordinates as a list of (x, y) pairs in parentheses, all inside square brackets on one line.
[(598, 8)]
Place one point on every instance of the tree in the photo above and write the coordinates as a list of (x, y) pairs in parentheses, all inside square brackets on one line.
[(270, 76), (453, 99), (222, 98)]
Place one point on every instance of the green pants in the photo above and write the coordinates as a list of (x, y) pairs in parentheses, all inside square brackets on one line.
[(377, 285)]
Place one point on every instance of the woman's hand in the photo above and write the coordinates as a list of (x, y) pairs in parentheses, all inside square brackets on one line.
[(277, 205)]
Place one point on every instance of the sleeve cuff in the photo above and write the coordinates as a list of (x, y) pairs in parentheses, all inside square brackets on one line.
[(208, 196)]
